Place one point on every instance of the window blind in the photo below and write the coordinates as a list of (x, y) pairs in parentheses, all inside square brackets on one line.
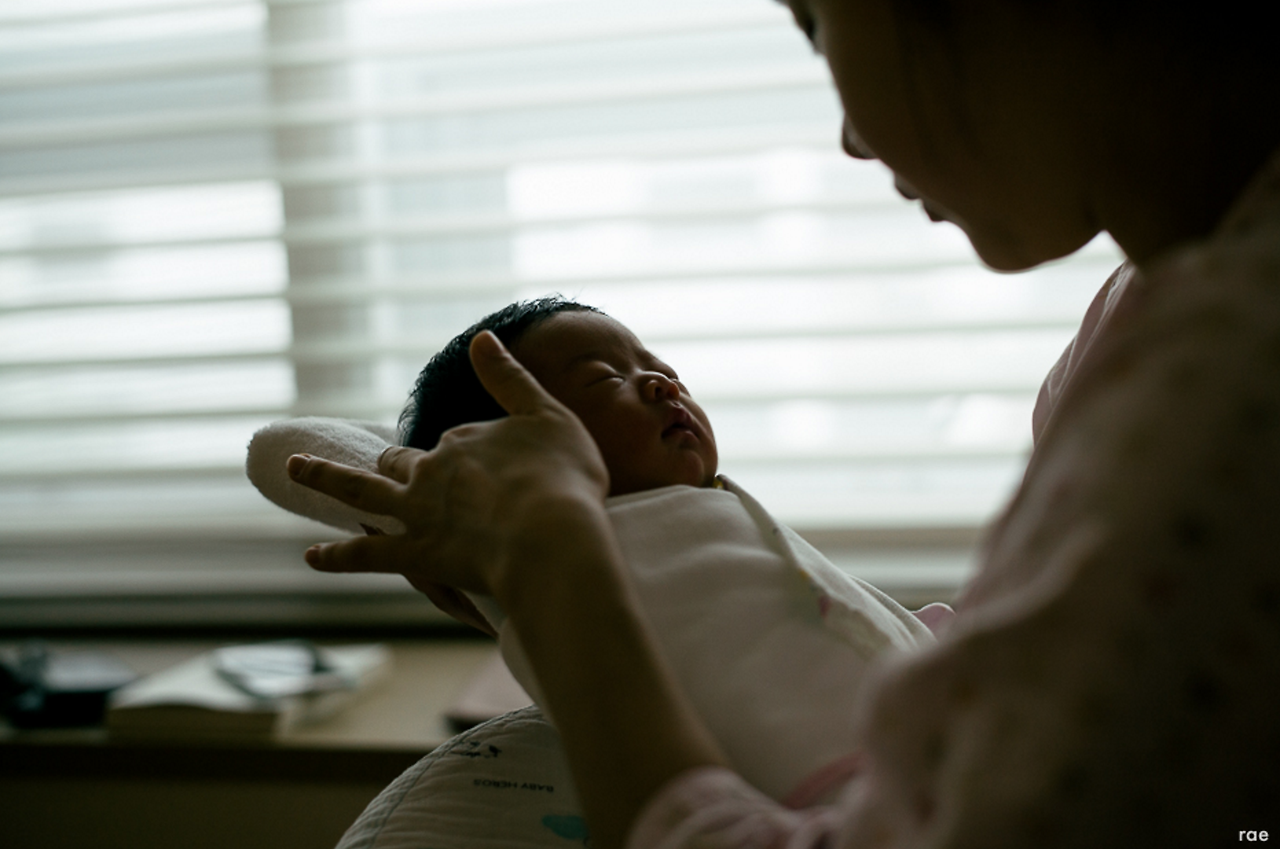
[(218, 214)]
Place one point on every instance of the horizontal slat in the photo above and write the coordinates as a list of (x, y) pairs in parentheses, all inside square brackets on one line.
[(22, 186), (105, 582), (874, 457), (343, 231), (372, 289), (364, 290), (877, 456), (264, 521), (9, 418), (388, 409), (419, 349), (369, 350), (336, 356), (26, 15), (269, 523), (199, 121), (648, 146), (269, 527), (290, 531), (20, 15), (229, 508), (38, 304), (79, 362), (98, 246), (337, 232), (39, 15), (123, 473), (555, 32)]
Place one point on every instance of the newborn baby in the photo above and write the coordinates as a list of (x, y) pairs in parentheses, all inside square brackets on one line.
[(649, 430), (755, 622)]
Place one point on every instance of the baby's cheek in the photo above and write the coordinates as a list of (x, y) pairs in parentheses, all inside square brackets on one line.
[(712, 455), (628, 466)]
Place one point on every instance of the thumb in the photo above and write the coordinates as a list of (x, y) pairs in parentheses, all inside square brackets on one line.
[(505, 379)]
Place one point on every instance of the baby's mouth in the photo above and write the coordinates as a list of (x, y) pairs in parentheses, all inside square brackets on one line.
[(681, 422)]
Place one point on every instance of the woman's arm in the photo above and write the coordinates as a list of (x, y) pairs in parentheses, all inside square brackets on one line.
[(515, 508), (627, 727)]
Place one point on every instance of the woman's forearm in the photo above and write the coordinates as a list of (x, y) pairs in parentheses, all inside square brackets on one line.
[(626, 724)]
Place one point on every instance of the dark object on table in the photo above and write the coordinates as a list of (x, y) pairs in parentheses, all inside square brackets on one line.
[(68, 690)]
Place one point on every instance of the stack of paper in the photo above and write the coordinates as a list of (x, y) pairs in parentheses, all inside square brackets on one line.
[(192, 700)]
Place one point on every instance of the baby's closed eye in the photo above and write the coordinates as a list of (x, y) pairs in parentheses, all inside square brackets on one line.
[(600, 376)]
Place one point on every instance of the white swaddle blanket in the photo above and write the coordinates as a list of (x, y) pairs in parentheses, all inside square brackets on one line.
[(756, 623), (758, 627)]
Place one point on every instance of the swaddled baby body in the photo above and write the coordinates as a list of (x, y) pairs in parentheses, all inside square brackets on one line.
[(755, 622)]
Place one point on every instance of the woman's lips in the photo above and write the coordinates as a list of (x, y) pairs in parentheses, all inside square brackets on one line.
[(907, 191)]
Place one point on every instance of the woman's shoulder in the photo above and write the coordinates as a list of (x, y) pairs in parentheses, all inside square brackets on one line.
[(1241, 257)]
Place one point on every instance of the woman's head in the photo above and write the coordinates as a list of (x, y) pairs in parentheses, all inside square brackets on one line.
[(1034, 124)]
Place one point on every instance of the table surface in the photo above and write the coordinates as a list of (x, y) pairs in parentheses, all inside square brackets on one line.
[(398, 720)]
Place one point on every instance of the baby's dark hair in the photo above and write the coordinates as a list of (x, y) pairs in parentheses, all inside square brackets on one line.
[(448, 393)]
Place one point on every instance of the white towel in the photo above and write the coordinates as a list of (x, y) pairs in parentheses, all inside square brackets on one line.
[(352, 443)]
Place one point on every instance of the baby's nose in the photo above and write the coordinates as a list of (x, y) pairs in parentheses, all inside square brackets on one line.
[(659, 386)]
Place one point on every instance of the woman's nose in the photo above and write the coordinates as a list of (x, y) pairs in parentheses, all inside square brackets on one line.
[(905, 189), (658, 387), (852, 144)]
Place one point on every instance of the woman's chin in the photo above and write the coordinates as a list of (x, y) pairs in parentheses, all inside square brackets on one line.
[(1002, 250), (1005, 254)]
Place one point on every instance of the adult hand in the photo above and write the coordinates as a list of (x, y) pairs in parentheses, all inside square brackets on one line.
[(469, 504), (449, 600)]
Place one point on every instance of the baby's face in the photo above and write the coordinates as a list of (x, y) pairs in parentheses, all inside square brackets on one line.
[(650, 432)]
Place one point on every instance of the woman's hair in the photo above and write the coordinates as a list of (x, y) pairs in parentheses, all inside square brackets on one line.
[(1229, 31), (448, 393)]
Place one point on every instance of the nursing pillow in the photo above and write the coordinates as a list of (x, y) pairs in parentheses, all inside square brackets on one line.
[(501, 785)]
